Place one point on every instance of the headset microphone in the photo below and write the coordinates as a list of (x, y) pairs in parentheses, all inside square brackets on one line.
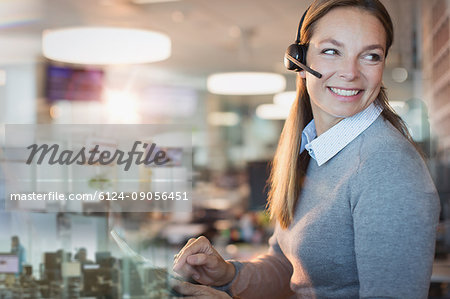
[(295, 56), (301, 65)]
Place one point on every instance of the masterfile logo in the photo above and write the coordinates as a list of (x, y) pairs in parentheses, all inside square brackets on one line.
[(98, 168), (95, 156)]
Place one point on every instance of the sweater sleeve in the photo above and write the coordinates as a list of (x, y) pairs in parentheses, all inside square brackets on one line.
[(267, 276), (395, 210)]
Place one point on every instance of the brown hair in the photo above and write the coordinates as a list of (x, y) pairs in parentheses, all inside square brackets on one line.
[(289, 166)]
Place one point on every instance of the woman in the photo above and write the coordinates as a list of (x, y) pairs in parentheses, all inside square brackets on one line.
[(359, 218)]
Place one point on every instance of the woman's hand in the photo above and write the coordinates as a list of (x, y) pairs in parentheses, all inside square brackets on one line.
[(194, 291), (200, 261)]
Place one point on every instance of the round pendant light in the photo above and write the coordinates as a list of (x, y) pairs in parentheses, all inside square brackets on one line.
[(272, 111), (286, 98), (105, 45)]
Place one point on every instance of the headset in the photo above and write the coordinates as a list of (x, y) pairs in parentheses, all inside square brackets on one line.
[(295, 56)]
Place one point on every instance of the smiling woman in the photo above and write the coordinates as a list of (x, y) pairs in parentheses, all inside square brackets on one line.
[(352, 68), (359, 219)]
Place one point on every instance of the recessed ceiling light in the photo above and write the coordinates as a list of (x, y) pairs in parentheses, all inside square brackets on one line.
[(272, 111), (105, 45), (286, 98), (246, 83)]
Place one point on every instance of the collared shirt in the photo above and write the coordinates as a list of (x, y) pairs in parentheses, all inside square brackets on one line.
[(331, 142)]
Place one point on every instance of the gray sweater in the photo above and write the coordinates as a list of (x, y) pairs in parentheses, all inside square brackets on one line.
[(364, 227)]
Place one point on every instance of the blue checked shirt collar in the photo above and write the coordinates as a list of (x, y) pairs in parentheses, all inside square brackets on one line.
[(331, 142)]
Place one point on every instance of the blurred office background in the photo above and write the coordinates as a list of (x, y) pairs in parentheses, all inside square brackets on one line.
[(234, 136)]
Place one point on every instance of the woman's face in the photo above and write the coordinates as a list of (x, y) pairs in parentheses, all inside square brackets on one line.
[(347, 47)]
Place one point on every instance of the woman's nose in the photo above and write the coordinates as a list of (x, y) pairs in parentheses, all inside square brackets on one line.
[(349, 69)]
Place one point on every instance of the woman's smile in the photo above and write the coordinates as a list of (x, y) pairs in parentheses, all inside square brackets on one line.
[(346, 94)]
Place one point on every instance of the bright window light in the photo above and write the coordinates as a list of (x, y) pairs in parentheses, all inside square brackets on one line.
[(246, 83), (286, 98), (105, 45), (122, 107)]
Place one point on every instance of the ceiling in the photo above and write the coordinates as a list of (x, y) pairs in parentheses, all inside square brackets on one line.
[(207, 35)]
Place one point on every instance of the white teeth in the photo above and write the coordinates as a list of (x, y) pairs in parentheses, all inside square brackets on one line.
[(343, 92)]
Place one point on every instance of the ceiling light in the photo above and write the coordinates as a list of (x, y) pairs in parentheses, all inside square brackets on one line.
[(272, 111), (246, 83), (105, 45), (286, 98)]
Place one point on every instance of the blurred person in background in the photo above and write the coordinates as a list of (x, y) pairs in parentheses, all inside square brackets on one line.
[(19, 250), (81, 256)]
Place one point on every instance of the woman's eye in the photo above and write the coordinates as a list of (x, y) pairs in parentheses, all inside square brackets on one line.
[(373, 57), (330, 51)]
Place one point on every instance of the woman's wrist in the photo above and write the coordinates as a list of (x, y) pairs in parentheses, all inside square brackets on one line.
[(229, 275)]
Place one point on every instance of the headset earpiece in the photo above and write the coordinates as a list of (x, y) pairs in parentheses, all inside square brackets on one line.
[(298, 52), (295, 56)]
